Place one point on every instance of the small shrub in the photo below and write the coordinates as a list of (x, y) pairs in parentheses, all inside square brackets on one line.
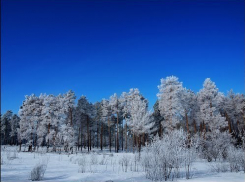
[(93, 159), (104, 160), (219, 167), (125, 160), (38, 171), (236, 159), (82, 162)]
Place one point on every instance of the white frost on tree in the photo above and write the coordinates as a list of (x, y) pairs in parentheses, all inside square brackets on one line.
[(209, 100), (169, 104)]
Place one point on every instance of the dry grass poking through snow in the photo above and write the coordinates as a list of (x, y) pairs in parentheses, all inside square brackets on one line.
[(93, 167)]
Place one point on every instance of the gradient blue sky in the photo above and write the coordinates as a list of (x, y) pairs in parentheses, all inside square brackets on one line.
[(98, 48)]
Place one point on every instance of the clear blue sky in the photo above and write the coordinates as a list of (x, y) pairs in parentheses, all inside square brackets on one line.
[(98, 48)]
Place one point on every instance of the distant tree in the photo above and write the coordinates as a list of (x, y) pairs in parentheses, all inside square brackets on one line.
[(99, 123), (14, 124), (169, 103), (195, 114), (157, 118), (125, 100), (115, 107), (86, 110), (29, 118), (53, 119), (187, 102), (106, 117), (141, 120), (209, 99), (67, 104), (6, 127)]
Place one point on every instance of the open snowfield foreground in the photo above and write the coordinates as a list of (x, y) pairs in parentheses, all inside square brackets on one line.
[(94, 167)]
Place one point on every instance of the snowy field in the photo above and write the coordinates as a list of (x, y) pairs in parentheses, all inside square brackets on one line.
[(94, 167)]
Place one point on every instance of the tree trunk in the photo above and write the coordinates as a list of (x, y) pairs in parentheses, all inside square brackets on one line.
[(143, 139), (94, 141), (97, 134), (117, 133), (195, 126), (201, 127), (147, 139), (109, 127), (84, 140), (204, 128), (122, 137), (104, 136), (101, 137), (90, 140), (139, 143), (79, 138), (229, 122), (48, 133), (70, 115), (126, 133), (160, 129), (115, 138), (87, 134), (20, 146), (35, 146), (136, 143), (187, 124), (54, 139), (133, 142), (30, 145)]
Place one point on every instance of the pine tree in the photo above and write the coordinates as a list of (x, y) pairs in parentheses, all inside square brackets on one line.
[(140, 121), (158, 118), (169, 104), (115, 107), (14, 125), (6, 127), (86, 110), (29, 119), (208, 99), (187, 102)]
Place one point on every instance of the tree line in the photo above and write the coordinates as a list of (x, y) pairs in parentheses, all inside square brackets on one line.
[(123, 122)]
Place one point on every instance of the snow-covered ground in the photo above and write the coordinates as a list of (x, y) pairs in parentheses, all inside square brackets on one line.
[(98, 166)]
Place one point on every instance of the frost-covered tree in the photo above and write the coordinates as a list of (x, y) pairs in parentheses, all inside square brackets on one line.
[(106, 117), (158, 118), (51, 119), (169, 104), (6, 127), (187, 102), (66, 104), (86, 110), (215, 145), (163, 158), (29, 119), (209, 100), (125, 101), (234, 111), (115, 108), (14, 125), (231, 110), (45, 122), (140, 119), (195, 114), (99, 123), (69, 103)]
